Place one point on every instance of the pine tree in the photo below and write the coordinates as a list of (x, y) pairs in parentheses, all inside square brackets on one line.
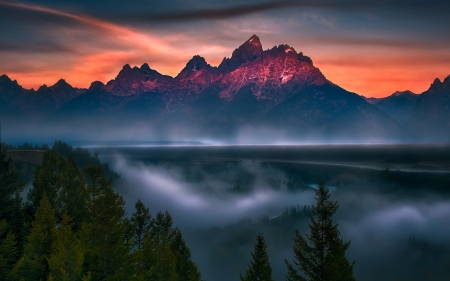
[(8, 251), (141, 223), (186, 269), (162, 229), (164, 267), (259, 268), (65, 186), (48, 179), (34, 263), (74, 195), (108, 254), (167, 254), (148, 259), (67, 253), (320, 256), (11, 203)]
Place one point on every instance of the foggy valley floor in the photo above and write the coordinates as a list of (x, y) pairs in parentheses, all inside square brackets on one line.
[(394, 201)]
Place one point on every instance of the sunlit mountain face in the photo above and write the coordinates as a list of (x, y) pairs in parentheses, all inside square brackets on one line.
[(255, 96), (265, 91)]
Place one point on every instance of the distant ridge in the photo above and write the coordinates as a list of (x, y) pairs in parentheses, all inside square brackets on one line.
[(399, 105)]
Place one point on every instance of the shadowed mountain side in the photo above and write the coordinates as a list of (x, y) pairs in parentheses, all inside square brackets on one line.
[(277, 91), (399, 105), (101, 107), (430, 120), (313, 112), (328, 111), (20, 102)]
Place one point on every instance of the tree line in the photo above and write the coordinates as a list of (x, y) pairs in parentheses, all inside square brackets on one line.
[(73, 226)]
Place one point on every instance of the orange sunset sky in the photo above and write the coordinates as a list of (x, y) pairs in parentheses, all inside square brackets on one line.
[(372, 50)]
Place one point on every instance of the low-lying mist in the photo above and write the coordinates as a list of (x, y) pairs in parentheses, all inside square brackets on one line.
[(98, 129), (394, 236), (196, 198), (397, 238)]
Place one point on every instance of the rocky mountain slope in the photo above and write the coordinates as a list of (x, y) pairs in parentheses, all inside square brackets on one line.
[(255, 94)]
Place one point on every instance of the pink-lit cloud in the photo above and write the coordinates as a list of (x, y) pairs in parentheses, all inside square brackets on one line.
[(90, 48)]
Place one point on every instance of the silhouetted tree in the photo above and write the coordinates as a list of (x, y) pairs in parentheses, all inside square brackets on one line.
[(48, 179), (141, 223), (259, 268), (164, 266), (8, 252), (169, 257), (74, 194), (79, 230), (67, 253), (34, 263), (320, 256), (11, 209), (186, 269), (108, 252)]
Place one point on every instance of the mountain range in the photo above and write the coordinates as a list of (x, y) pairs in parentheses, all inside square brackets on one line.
[(255, 95)]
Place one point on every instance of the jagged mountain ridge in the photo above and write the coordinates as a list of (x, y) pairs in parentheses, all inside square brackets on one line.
[(430, 120), (15, 100), (254, 88)]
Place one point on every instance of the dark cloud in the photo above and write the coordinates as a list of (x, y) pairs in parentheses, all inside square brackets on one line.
[(19, 15), (241, 10), (219, 13), (41, 47), (377, 41)]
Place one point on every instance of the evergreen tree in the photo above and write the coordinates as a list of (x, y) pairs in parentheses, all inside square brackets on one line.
[(141, 223), (11, 203), (34, 263), (108, 254), (74, 195), (187, 270), (94, 178), (64, 184), (320, 256), (162, 228), (8, 252), (170, 258), (148, 260), (165, 265), (48, 179), (259, 268), (67, 253), (164, 260)]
